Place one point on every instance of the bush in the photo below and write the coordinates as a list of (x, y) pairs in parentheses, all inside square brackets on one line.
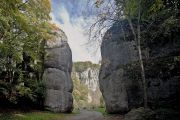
[(31, 93)]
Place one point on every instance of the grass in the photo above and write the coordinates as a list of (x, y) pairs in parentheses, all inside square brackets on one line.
[(76, 111), (31, 116), (101, 110)]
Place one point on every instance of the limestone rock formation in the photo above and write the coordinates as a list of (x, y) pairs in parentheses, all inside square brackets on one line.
[(87, 75), (115, 53), (57, 74), (120, 80)]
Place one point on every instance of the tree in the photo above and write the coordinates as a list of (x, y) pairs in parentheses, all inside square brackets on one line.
[(137, 38), (24, 25)]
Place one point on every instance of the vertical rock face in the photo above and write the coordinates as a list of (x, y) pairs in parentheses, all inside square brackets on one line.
[(57, 74), (88, 76), (120, 79), (116, 52)]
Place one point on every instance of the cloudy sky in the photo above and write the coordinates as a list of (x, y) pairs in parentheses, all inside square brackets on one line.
[(72, 16)]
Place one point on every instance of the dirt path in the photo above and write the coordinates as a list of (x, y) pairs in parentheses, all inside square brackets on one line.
[(93, 115), (87, 115)]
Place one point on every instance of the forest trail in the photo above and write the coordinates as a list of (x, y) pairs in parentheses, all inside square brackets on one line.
[(87, 115), (93, 115)]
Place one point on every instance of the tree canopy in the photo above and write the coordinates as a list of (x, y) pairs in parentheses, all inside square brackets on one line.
[(24, 25)]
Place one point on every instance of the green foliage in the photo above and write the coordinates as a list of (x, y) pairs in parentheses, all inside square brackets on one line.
[(102, 103), (82, 66), (80, 93), (101, 110), (32, 116), (23, 28), (24, 91), (159, 18), (149, 8), (40, 90)]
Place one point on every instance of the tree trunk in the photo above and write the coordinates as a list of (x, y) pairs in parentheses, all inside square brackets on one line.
[(140, 56), (142, 71)]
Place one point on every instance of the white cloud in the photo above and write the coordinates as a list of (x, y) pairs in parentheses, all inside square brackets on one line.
[(76, 37)]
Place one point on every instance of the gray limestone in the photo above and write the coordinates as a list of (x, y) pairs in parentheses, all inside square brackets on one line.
[(57, 74)]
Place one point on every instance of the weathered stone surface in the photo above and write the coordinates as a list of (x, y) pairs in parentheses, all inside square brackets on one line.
[(120, 79), (140, 114), (116, 52), (57, 80), (57, 74), (59, 58), (59, 101)]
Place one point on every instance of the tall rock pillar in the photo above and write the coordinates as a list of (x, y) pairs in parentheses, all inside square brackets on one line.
[(57, 74), (117, 52)]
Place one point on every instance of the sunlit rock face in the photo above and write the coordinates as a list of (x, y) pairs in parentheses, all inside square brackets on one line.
[(120, 74), (57, 74), (88, 76)]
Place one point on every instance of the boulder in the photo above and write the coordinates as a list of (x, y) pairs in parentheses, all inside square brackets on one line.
[(140, 114)]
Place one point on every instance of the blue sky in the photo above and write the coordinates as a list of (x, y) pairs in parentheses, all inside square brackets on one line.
[(70, 16)]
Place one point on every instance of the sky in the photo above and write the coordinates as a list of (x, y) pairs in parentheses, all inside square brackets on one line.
[(72, 17)]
